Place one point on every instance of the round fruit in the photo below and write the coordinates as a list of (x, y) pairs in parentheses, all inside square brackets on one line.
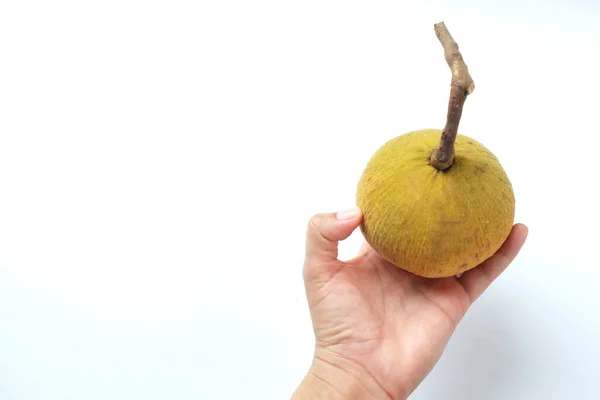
[(429, 222), (436, 203)]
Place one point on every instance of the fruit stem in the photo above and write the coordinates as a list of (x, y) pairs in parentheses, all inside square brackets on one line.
[(461, 86)]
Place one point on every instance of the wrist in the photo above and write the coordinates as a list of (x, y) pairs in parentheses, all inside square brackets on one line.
[(333, 377)]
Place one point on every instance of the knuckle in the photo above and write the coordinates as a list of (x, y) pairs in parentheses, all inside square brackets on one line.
[(315, 223)]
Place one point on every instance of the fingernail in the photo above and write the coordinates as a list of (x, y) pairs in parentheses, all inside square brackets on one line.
[(348, 214)]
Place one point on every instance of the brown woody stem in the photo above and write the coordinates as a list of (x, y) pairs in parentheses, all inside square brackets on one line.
[(462, 85)]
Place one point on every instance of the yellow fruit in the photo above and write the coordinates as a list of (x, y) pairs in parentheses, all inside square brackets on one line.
[(436, 203), (429, 222)]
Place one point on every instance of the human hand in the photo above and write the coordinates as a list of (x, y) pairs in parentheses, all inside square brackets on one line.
[(379, 330)]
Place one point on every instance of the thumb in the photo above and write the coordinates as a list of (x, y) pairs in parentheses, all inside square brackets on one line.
[(325, 231)]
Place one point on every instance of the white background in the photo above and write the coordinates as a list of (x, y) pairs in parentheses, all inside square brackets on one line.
[(159, 161)]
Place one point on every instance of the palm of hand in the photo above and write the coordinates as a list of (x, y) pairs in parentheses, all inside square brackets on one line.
[(390, 323), (394, 324)]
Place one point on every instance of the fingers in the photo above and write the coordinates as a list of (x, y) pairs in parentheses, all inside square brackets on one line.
[(478, 279), (325, 231)]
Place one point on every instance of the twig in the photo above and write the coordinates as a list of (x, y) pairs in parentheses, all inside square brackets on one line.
[(461, 86)]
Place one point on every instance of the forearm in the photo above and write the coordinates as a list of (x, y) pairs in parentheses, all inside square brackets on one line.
[(332, 378)]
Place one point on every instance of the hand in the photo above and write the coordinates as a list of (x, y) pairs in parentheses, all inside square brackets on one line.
[(378, 329)]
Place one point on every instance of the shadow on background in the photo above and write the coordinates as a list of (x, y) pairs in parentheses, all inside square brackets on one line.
[(518, 342)]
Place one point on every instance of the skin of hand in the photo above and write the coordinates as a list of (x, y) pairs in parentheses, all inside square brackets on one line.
[(379, 330)]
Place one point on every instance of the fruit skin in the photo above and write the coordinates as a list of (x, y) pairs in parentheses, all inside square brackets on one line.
[(435, 223)]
